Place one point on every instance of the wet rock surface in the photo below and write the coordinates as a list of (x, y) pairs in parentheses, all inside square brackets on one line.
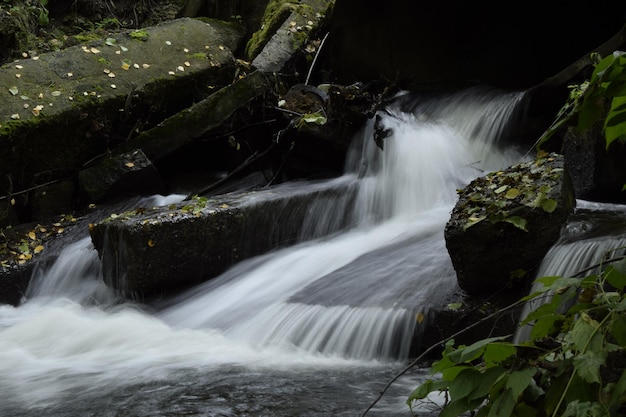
[(504, 223)]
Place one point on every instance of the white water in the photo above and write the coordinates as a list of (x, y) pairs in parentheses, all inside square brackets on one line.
[(586, 241), (338, 307)]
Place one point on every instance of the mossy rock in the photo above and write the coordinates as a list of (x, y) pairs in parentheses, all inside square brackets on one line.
[(60, 110), (505, 222)]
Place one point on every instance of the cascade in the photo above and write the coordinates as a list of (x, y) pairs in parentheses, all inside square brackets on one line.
[(333, 314), (596, 232)]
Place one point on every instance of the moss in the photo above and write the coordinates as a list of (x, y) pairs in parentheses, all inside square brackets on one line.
[(275, 14), (86, 37), (199, 55), (140, 35)]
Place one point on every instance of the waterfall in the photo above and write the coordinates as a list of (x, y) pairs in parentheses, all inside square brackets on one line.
[(357, 294), (324, 311), (595, 233)]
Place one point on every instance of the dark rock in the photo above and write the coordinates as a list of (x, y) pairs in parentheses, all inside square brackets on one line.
[(157, 251), (285, 31), (65, 108), (131, 172), (52, 199), (505, 222), (597, 174), (181, 128)]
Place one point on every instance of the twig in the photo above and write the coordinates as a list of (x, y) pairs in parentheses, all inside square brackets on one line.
[(503, 310), (436, 345), (30, 189), (252, 158), (317, 53)]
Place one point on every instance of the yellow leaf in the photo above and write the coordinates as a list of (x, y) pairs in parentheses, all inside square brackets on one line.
[(512, 193), (151, 243), (419, 317), (32, 235), (38, 249), (224, 206), (129, 164)]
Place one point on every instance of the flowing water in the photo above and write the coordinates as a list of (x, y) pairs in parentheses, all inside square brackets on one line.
[(315, 329)]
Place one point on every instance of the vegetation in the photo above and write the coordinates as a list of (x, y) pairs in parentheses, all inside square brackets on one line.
[(588, 102), (574, 362)]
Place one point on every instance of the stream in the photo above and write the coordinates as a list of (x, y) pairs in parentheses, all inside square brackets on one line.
[(314, 329)]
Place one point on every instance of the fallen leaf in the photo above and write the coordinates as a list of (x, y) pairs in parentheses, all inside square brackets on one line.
[(13, 90), (129, 164), (38, 249), (32, 235), (511, 193), (419, 317)]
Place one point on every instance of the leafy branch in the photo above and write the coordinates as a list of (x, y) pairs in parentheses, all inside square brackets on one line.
[(602, 97), (573, 364)]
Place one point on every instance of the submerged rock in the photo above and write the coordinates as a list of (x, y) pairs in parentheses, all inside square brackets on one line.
[(504, 223)]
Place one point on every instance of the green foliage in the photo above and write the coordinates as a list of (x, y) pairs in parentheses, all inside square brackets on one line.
[(140, 35), (602, 97), (574, 363)]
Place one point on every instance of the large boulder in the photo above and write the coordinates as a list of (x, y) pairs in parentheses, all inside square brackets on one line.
[(505, 222), (149, 252), (597, 173), (61, 110)]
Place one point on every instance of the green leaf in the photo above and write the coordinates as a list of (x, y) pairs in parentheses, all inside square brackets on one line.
[(457, 408), (618, 330), (617, 395), (450, 374), (615, 277), (588, 365), (516, 221), (485, 382), (519, 380), (544, 326), (511, 193), (503, 405), (472, 220), (316, 118), (473, 351), (424, 389), (585, 333), (464, 383), (496, 353), (615, 118), (549, 205), (584, 409)]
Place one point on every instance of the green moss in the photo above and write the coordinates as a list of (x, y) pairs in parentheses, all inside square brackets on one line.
[(109, 23), (140, 35), (103, 61), (86, 37), (275, 14), (199, 55)]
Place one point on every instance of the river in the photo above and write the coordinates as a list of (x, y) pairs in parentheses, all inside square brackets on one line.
[(315, 329)]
